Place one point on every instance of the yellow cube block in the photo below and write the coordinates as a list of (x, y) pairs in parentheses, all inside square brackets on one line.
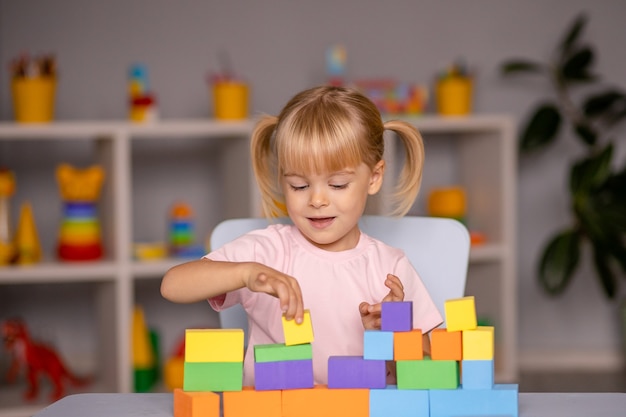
[(460, 314), (214, 345), (298, 334), (478, 344)]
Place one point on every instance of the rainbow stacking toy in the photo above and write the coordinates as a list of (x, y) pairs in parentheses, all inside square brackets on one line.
[(79, 234)]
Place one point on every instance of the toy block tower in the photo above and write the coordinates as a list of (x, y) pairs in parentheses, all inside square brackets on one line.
[(473, 347), (213, 360), (286, 365)]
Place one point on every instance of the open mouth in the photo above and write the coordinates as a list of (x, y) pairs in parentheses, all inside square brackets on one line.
[(321, 222)]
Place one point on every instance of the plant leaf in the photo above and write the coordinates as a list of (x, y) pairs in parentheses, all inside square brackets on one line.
[(591, 172), (573, 34), (577, 66), (586, 133), (521, 65), (601, 103), (559, 261), (542, 128), (602, 265)]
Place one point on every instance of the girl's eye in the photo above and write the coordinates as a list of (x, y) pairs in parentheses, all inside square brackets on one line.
[(338, 186), (298, 187)]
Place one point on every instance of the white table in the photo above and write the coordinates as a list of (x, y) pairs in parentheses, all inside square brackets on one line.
[(160, 405)]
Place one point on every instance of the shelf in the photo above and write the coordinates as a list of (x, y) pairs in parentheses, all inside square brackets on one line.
[(144, 169), (57, 272)]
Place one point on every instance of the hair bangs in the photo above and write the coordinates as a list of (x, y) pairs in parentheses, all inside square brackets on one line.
[(327, 145)]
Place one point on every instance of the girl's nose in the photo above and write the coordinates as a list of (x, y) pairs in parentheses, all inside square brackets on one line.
[(318, 198)]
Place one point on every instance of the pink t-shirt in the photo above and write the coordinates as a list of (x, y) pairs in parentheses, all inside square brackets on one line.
[(333, 285)]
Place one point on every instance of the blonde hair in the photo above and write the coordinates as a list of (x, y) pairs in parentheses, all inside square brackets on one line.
[(325, 129)]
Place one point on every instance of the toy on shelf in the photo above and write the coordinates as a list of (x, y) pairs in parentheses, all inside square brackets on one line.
[(174, 367), (145, 353), (37, 358), (7, 189), (182, 233), (336, 65), (456, 379), (27, 247), (392, 97), (143, 106), (231, 92), (451, 202), (453, 91), (79, 235), (33, 86)]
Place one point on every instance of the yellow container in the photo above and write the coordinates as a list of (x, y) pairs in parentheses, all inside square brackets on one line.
[(447, 202), (454, 96), (230, 100), (33, 99)]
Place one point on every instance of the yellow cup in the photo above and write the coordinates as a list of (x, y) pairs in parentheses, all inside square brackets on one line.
[(454, 96), (33, 99), (230, 100)]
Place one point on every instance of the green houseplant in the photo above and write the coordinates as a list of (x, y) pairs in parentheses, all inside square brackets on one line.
[(587, 110)]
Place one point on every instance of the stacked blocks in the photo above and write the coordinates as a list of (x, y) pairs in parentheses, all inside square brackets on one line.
[(457, 379), (213, 360), (286, 365)]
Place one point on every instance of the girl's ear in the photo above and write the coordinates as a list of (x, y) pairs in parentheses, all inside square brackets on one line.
[(376, 179)]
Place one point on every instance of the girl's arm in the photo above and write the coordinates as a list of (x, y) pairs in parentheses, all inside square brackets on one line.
[(201, 279)]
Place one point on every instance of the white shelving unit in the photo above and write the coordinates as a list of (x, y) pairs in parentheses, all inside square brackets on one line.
[(483, 161)]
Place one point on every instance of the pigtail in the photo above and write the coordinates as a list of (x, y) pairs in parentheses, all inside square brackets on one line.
[(264, 166), (410, 179)]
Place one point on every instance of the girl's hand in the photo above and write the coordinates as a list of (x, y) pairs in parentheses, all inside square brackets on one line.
[(370, 313), (281, 286)]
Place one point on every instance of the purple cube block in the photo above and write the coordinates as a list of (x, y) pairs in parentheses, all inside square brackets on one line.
[(356, 372), (283, 375), (397, 316)]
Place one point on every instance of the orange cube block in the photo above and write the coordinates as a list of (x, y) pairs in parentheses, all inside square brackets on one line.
[(321, 401), (249, 402), (408, 346), (196, 404), (445, 345)]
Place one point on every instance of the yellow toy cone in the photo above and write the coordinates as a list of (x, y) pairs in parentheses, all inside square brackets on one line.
[(27, 247)]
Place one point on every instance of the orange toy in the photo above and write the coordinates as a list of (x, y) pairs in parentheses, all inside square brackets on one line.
[(408, 346), (250, 402), (322, 401), (446, 345), (196, 404)]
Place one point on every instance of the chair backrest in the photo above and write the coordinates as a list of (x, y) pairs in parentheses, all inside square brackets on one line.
[(438, 248)]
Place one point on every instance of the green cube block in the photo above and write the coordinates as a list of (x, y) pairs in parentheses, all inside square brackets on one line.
[(280, 352), (427, 374), (213, 376)]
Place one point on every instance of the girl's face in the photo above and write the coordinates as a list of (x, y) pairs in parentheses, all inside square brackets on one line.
[(326, 207)]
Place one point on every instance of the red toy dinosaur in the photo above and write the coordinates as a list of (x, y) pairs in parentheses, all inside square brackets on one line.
[(36, 358)]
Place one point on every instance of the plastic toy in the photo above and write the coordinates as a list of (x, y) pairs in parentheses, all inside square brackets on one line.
[(7, 189), (37, 358), (142, 102), (27, 247), (182, 233), (144, 353), (79, 235)]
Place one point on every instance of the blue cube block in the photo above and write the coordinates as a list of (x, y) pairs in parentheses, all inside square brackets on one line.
[(502, 400), (399, 403), (396, 316), (283, 375), (356, 372), (477, 374), (378, 345)]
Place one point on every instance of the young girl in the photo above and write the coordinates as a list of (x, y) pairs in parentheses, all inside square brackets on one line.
[(319, 159)]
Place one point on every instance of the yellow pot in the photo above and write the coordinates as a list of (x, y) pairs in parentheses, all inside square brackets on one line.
[(33, 99), (454, 96), (230, 100)]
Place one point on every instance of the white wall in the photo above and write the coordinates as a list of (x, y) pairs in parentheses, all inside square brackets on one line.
[(279, 46)]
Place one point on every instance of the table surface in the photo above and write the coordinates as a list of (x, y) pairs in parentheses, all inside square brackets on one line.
[(160, 405)]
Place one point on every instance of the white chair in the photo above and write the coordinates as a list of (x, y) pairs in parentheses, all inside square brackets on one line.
[(438, 248)]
